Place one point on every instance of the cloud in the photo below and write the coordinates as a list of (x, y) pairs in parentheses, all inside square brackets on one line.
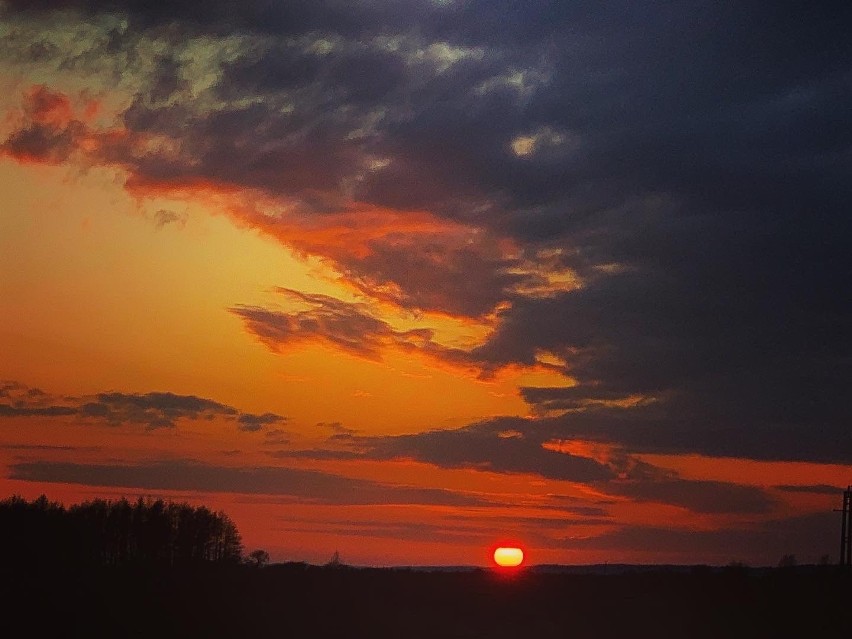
[(308, 135), (692, 174), (154, 410), (816, 489), (411, 531), (529, 446), (411, 259), (484, 447), (351, 327), (276, 436), (436, 272), (223, 16), (305, 485), (47, 130), (163, 218), (565, 398), (588, 517), (337, 428), (151, 410), (36, 447), (419, 109), (728, 368), (36, 411), (252, 423), (348, 326), (680, 427), (808, 536), (698, 496), (662, 427)]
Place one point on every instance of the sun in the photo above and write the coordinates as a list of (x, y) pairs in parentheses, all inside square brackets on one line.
[(508, 556)]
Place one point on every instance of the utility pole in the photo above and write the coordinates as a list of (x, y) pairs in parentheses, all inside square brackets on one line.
[(846, 530)]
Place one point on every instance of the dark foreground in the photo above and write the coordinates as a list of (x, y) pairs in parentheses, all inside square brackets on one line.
[(294, 600)]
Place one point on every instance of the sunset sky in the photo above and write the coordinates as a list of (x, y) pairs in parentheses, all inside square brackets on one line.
[(402, 279)]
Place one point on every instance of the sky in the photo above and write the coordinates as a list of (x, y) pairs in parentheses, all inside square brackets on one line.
[(405, 279)]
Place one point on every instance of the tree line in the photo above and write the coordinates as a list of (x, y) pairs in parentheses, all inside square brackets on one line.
[(114, 533)]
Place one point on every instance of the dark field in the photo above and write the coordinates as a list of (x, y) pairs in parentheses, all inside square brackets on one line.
[(295, 600)]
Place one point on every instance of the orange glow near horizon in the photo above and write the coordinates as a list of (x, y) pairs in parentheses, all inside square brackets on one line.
[(508, 556)]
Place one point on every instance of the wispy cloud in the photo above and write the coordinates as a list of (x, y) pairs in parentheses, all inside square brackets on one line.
[(351, 327), (151, 410), (763, 543), (304, 485), (509, 446)]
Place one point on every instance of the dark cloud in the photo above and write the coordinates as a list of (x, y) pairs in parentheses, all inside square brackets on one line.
[(435, 273), (809, 537), (252, 423), (584, 511), (717, 364), (412, 531), (356, 19), (527, 446), (36, 411), (337, 428), (47, 130), (24, 401), (350, 327), (816, 489), (152, 410), (276, 436), (41, 142), (222, 17), (37, 447), (486, 447), (679, 100), (662, 428), (164, 217), (564, 398), (9, 387), (588, 517), (315, 454), (305, 485), (698, 496)]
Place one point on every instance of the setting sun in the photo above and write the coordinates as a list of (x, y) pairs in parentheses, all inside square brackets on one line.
[(508, 557)]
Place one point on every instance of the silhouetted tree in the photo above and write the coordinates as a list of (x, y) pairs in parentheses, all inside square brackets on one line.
[(116, 533), (33, 533), (231, 540), (787, 561), (259, 558)]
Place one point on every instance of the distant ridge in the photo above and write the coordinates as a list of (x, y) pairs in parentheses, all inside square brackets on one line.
[(622, 569), (583, 569), (603, 569)]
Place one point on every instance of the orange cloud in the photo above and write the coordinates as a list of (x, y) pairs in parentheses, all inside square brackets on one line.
[(412, 259)]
